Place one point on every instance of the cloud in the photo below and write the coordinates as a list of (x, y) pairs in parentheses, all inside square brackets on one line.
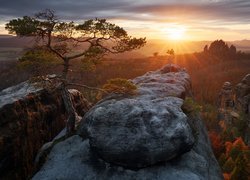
[(229, 10), (210, 15), (67, 9)]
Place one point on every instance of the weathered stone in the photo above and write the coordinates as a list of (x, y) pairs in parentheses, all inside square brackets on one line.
[(163, 83), (234, 106), (145, 129), (74, 159), (137, 132), (29, 117), (226, 96), (243, 103), (121, 133), (243, 95)]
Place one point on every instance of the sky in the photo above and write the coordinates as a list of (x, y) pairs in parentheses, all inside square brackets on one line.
[(155, 19)]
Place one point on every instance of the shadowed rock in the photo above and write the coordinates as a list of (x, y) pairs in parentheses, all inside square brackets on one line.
[(29, 117)]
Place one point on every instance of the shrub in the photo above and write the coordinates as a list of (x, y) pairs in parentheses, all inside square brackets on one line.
[(190, 106), (37, 61), (119, 86)]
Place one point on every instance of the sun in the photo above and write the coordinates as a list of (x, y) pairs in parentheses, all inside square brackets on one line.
[(176, 33)]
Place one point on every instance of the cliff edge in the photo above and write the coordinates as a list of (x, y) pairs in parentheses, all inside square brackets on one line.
[(29, 117), (150, 135)]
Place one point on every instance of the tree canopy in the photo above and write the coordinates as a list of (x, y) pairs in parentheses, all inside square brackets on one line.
[(90, 40), (93, 38)]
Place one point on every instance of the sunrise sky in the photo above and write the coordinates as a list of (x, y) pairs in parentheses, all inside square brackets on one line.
[(155, 19)]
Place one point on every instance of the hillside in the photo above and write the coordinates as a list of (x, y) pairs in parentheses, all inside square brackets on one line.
[(152, 46)]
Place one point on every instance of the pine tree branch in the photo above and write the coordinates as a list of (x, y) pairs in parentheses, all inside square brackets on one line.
[(88, 87)]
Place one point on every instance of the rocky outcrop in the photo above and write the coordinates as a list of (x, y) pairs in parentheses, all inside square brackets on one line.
[(29, 117), (243, 95), (144, 136), (243, 104), (226, 104), (141, 132), (234, 108), (226, 96)]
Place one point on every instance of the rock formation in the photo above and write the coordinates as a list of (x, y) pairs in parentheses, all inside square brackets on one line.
[(234, 106), (144, 136), (29, 117), (243, 95), (226, 104), (243, 104)]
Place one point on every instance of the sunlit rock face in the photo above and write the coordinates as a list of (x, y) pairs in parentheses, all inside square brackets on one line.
[(29, 117), (145, 136), (145, 129), (170, 81)]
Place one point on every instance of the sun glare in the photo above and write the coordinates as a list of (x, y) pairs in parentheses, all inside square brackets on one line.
[(176, 33)]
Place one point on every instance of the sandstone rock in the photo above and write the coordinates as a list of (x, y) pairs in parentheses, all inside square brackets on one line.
[(226, 104), (29, 117), (137, 132), (146, 136), (163, 83), (74, 159), (243, 95), (246, 80), (142, 130), (243, 103), (226, 96)]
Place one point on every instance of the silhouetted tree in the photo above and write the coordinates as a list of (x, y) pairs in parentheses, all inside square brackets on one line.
[(205, 50), (218, 48), (232, 49), (171, 53), (155, 54), (91, 39), (221, 50)]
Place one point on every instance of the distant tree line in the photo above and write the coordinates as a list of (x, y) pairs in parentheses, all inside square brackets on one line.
[(221, 49)]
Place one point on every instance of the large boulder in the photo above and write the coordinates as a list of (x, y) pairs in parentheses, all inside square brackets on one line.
[(29, 117), (145, 129), (144, 136), (137, 132)]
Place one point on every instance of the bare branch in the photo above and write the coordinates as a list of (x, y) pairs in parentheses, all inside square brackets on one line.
[(88, 87)]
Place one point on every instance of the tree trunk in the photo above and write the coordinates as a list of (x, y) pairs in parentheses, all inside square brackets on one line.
[(65, 68), (70, 126)]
